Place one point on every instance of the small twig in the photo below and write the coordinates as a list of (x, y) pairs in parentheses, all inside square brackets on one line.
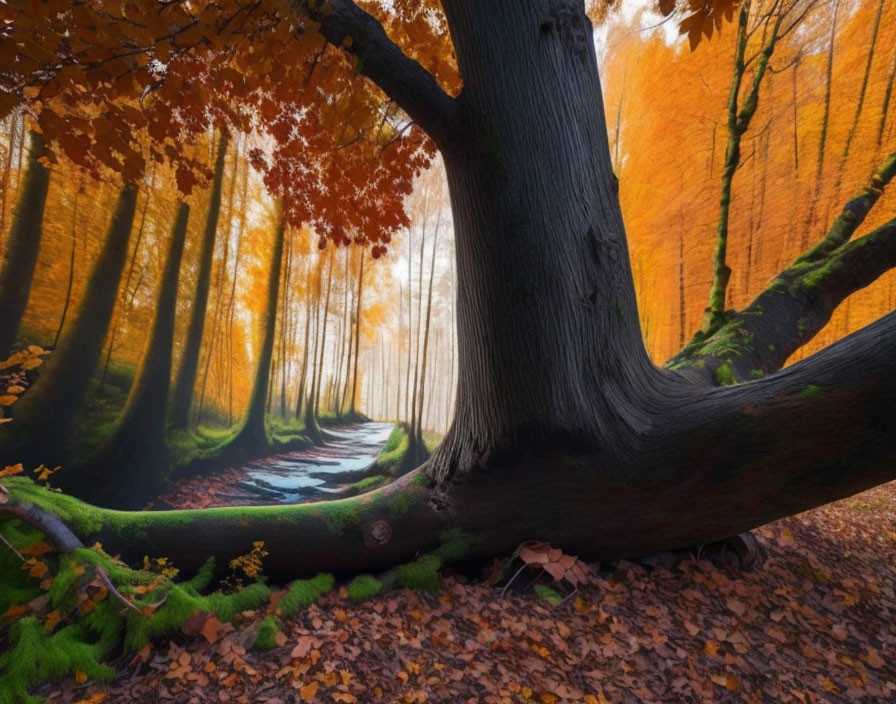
[(12, 547), (113, 591), (510, 581), (568, 597)]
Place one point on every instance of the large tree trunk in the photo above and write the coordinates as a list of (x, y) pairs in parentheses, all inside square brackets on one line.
[(45, 414), (129, 464), (182, 396), (22, 246), (564, 431)]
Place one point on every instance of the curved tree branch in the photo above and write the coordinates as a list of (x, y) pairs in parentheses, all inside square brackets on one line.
[(346, 26), (801, 299), (790, 312)]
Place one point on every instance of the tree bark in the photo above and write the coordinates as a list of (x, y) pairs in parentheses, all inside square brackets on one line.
[(352, 408), (135, 450), (253, 436), (182, 396), (23, 245), (45, 414)]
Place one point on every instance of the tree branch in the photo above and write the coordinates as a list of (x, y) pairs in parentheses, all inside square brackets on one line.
[(345, 25), (855, 211), (791, 311)]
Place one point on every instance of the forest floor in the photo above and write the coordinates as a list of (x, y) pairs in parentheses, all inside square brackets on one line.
[(817, 623)]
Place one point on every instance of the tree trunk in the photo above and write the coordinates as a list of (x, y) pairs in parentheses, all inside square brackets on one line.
[(352, 409), (45, 414), (22, 247), (418, 439), (182, 396), (253, 436), (888, 94), (73, 233), (823, 135), (128, 293), (135, 450)]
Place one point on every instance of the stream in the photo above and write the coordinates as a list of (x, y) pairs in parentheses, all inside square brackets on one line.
[(312, 473)]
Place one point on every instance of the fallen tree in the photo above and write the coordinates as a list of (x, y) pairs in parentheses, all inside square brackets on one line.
[(564, 430)]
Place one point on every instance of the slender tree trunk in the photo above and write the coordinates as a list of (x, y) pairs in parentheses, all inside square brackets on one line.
[(796, 122), (45, 414), (7, 172), (73, 233), (283, 336), (850, 136), (414, 415), (884, 111), (231, 303), (182, 395), (352, 409), (407, 381), (323, 338), (219, 287), (300, 397), (823, 135), (20, 258), (135, 450), (128, 293), (420, 397), (740, 114), (253, 436), (312, 429)]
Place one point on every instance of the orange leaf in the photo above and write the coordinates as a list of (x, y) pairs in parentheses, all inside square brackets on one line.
[(309, 691)]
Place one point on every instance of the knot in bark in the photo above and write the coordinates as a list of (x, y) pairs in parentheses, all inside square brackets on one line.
[(377, 534)]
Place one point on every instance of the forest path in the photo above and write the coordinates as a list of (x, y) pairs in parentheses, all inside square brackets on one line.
[(288, 477)]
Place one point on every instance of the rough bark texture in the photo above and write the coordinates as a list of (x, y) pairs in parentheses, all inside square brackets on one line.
[(182, 396), (22, 246), (128, 465), (45, 414)]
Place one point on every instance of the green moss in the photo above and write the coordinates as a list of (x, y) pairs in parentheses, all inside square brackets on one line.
[(304, 592), (338, 516), (38, 656), (757, 373), (421, 575), (364, 587), (547, 594), (265, 638), (724, 376), (370, 483), (391, 456), (401, 503), (455, 545), (809, 391)]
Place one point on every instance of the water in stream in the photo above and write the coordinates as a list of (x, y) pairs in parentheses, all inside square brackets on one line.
[(308, 474)]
